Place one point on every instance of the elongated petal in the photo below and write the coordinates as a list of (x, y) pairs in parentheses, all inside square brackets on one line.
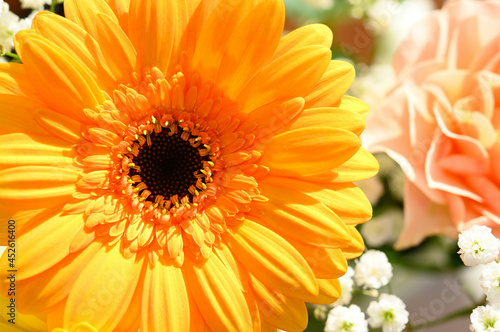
[(332, 118), (165, 304), (273, 260), (217, 295), (312, 34), (17, 114), (309, 151), (291, 75), (84, 13), (101, 294), (303, 218)]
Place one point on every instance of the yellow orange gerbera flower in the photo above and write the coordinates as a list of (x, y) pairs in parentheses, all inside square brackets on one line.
[(177, 165)]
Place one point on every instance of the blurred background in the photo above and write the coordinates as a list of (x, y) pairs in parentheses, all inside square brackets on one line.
[(430, 278)]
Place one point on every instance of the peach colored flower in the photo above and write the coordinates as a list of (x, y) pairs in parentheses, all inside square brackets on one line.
[(440, 121)]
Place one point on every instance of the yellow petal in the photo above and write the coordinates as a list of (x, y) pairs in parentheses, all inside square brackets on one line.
[(303, 218), (272, 260), (312, 34), (84, 13), (165, 304), (289, 76), (78, 43), (22, 150), (59, 125), (329, 291), (251, 45), (217, 295), (17, 113), (332, 118), (33, 187), (332, 86), (16, 82), (103, 290), (357, 245), (280, 311), (361, 166), (309, 151), (355, 105)]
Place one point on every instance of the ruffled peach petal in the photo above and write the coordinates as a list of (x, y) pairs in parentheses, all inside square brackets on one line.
[(33, 187), (23, 150), (251, 45), (278, 310), (217, 295), (272, 260), (101, 294), (312, 34), (165, 304), (116, 48), (55, 70), (289, 76), (53, 285), (423, 218), (309, 151), (334, 83), (77, 43), (17, 114), (300, 217), (84, 13), (330, 117)]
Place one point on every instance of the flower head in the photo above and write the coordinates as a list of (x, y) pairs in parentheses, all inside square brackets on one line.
[(490, 282), (389, 313), (478, 246), (485, 319), (176, 165), (439, 121), (373, 270), (346, 319)]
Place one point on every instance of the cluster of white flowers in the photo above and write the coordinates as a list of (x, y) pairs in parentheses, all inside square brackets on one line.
[(10, 24), (389, 313), (35, 4), (373, 270), (346, 319), (479, 246)]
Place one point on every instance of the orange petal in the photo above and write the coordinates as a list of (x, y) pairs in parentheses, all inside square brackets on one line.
[(84, 13), (165, 304), (15, 81), (280, 311), (289, 76), (55, 71), (217, 295), (357, 245), (354, 105), (17, 113), (361, 166), (303, 218), (33, 187), (272, 260), (117, 48), (332, 118), (251, 45), (47, 288), (102, 292), (332, 86), (77, 42), (309, 151), (23, 150), (59, 125), (313, 34), (329, 291)]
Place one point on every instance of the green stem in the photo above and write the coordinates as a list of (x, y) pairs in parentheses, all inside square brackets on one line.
[(459, 313), (53, 6), (11, 55)]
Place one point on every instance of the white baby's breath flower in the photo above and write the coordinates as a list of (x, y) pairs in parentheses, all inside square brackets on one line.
[(9, 25), (490, 282), (373, 270), (346, 283), (346, 319), (389, 313), (486, 319), (35, 4), (478, 245)]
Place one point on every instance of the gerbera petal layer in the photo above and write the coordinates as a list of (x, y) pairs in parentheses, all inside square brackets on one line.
[(177, 165)]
